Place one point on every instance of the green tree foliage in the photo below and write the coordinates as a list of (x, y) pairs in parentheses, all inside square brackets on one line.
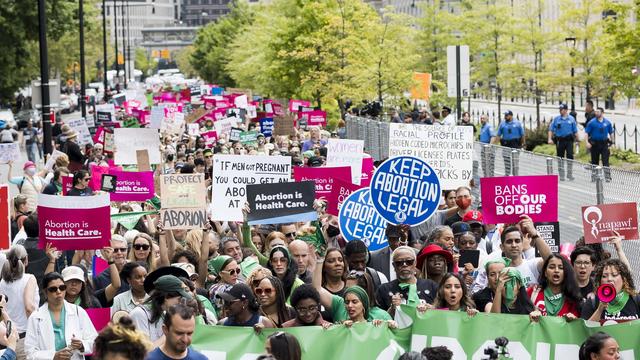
[(211, 48), (144, 63)]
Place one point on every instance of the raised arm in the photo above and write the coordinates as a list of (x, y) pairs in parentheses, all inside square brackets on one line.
[(112, 289), (325, 296), (203, 269)]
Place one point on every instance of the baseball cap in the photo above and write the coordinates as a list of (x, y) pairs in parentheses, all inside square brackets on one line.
[(171, 284), (508, 112), (28, 164), (472, 217), (207, 152), (150, 280), (460, 227), (72, 273), (563, 106), (189, 268), (238, 291), (314, 161)]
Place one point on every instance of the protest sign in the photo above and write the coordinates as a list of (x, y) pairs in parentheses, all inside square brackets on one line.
[(105, 113), (80, 126), (234, 134), (183, 218), (359, 220), (196, 115), (67, 184), (74, 222), (241, 102), (252, 112), (157, 117), (130, 122), (127, 141), (266, 126), (316, 118), (52, 159), (367, 171), (109, 142), (294, 105), (405, 190), (600, 221), (130, 219), (550, 233), (231, 174), (280, 203), (344, 152), (447, 149), (340, 190), (284, 125), (183, 191), (99, 317), (5, 220), (132, 186), (324, 177), (9, 152), (505, 198), (194, 129), (209, 137), (223, 126), (249, 138)]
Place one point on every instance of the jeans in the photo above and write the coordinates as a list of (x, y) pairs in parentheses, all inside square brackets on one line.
[(32, 150)]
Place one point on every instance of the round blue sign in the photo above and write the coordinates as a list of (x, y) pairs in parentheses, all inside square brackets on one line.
[(359, 220), (405, 190)]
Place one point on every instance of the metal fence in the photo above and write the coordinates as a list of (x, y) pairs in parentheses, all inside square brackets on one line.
[(589, 186)]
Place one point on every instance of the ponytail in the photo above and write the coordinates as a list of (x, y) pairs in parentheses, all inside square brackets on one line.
[(13, 268)]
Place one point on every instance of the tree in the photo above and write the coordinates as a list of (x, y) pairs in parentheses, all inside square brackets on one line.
[(211, 52), (183, 59), (144, 63)]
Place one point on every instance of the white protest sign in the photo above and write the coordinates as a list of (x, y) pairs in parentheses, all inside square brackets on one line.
[(231, 175), (157, 115), (128, 140), (344, 152), (9, 152), (447, 149), (80, 126), (194, 129), (223, 126), (52, 159), (252, 112), (241, 102)]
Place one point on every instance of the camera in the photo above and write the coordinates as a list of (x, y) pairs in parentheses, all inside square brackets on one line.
[(499, 350)]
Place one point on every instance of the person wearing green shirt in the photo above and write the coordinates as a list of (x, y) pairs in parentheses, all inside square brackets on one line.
[(284, 267)]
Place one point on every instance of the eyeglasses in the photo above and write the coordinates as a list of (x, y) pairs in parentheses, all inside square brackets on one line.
[(291, 234), (53, 289), (144, 247), (232, 272), (582, 263), (267, 291), (310, 309), (354, 274), (256, 282), (401, 263), (115, 250)]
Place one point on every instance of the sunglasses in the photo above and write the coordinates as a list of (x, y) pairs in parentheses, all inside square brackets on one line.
[(291, 234), (256, 282), (232, 271), (87, 179), (260, 291), (310, 309), (53, 289), (401, 263), (115, 250), (141, 246)]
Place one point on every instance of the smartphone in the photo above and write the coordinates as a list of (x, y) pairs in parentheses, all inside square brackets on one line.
[(8, 328)]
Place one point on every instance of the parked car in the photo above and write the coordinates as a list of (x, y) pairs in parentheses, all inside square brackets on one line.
[(6, 117)]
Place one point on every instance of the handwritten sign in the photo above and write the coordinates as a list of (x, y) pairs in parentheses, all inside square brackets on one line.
[(183, 191), (127, 141), (344, 152)]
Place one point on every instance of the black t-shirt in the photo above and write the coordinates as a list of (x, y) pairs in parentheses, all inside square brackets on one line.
[(427, 290), (78, 192), (522, 305), (630, 311), (587, 289), (453, 219)]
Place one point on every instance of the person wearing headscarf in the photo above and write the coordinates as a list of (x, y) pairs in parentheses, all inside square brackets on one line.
[(284, 267), (226, 271), (506, 293)]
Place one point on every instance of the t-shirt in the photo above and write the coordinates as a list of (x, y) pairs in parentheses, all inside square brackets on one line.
[(340, 312), (568, 305), (80, 192), (157, 354), (630, 311), (528, 269), (587, 289), (521, 305)]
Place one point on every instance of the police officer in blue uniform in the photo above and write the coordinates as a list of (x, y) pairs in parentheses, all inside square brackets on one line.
[(563, 132), (599, 131), (487, 135), (511, 133)]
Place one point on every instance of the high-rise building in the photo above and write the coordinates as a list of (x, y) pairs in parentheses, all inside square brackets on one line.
[(201, 12), (137, 15)]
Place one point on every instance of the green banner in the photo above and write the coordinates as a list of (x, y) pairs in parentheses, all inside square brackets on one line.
[(130, 219), (467, 337)]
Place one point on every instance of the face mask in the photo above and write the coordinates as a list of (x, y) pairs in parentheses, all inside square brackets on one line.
[(333, 231), (31, 171), (463, 203)]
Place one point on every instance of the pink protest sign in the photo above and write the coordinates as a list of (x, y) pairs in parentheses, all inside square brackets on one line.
[(209, 102), (96, 175), (209, 137), (99, 317), (600, 221), (340, 191), (367, 171), (74, 222), (504, 199), (324, 177), (67, 184), (132, 186), (295, 104)]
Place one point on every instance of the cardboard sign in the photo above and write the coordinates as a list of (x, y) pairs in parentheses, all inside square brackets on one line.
[(281, 203), (405, 190), (80, 126), (223, 126), (231, 174), (183, 191), (340, 190), (74, 222), (9, 152), (323, 177), (599, 222), (196, 115), (359, 220), (132, 186), (294, 105), (344, 152), (183, 218), (284, 125), (505, 198), (249, 138), (266, 126), (550, 233), (142, 157), (5, 220), (447, 149), (127, 141), (157, 117)]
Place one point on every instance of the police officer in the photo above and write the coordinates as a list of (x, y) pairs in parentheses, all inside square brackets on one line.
[(511, 135), (487, 136), (599, 131), (563, 132)]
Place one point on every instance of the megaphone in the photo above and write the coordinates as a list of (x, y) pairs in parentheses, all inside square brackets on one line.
[(606, 293)]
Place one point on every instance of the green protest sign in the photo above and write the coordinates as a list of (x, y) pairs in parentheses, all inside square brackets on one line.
[(467, 337), (131, 122), (130, 219), (249, 137)]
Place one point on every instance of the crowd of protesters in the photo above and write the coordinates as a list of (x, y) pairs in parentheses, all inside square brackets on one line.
[(161, 283)]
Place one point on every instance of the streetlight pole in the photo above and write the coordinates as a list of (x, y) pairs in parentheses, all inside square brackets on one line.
[(44, 78), (104, 48), (115, 30), (83, 102), (124, 48), (572, 42)]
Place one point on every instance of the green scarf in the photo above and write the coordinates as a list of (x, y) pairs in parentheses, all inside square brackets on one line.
[(515, 278), (504, 260), (412, 296), (553, 302), (362, 295), (130, 219), (618, 303)]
